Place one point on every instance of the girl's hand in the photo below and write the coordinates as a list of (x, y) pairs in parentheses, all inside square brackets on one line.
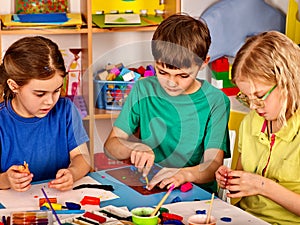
[(166, 177), (19, 181), (142, 157), (222, 176), (64, 180), (241, 183)]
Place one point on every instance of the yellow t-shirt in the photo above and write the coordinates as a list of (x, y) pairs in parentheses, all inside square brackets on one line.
[(283, 166)]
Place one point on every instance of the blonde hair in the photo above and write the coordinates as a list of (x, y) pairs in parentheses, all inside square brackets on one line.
[(272, 58)]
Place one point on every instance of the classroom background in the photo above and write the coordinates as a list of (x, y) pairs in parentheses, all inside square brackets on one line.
[(89, 46)]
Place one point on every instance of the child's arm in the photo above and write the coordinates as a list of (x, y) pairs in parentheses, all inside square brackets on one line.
[(80, 165), (117, 146), (250, 184), (200, 174)]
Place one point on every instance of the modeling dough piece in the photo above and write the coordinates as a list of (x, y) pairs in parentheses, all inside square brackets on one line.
[(24, 168)]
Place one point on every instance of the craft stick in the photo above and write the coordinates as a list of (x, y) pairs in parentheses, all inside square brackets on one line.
[(162, 200), (49, 202), (147, 181), (210, 208)]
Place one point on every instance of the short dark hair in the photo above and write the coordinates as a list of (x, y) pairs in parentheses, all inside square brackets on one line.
[(180, 41)]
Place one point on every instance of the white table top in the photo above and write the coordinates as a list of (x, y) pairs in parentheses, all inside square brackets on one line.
[(220, 209)]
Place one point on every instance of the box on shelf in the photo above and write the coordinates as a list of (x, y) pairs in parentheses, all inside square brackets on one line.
[(113, 83), (111, 94), (122, 6), (40, 6)]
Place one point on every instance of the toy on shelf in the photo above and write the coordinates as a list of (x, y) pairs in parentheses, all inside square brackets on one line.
[(221, 76), (40, 6), (113, 84)]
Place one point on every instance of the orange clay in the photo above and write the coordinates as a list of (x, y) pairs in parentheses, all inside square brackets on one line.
[(24, 168)]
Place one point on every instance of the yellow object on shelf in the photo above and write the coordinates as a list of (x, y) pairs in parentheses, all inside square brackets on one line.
[(123, 5), (74, 20), (292, 23)]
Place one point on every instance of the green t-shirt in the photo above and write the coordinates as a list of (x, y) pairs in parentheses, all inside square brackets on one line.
[(178, 128)]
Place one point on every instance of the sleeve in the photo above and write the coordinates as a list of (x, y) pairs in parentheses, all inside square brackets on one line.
[(129, 117), (217, 134)]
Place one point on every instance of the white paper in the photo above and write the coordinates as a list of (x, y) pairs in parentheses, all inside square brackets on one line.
[(12, 199), (219, 209), (122, 19)]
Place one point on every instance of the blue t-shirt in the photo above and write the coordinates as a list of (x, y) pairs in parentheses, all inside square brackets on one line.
[(44, 143)]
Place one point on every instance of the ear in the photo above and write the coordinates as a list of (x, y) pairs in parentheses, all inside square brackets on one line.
[(13, 85), (205, 62)]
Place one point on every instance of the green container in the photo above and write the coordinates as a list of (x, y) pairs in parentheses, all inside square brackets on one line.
[(141, 216)]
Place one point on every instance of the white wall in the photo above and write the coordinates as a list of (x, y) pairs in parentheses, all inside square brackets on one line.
[(196, 7)]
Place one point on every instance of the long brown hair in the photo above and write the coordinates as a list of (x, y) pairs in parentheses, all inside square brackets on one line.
[(30, 58)]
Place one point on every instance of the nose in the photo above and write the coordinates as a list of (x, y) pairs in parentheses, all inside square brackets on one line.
[(253, 106), (171, 82), (49, 99)]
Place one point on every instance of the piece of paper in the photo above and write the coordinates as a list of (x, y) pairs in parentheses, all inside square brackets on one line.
[(122, 19), (12, 199), (220, 209)]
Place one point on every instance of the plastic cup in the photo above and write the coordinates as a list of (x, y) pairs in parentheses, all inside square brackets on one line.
[(141, 216), (201, 220)]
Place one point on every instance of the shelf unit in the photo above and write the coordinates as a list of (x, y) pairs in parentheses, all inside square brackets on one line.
[(86, 34)]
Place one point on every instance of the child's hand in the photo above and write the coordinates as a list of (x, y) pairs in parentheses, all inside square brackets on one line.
[(222, 176), (142, 157), (64, 180), (242, 183), (167, 177), (19, 181)]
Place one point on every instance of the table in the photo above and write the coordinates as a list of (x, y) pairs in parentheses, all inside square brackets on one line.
[(134, 199), (220, 210), (195, 199)]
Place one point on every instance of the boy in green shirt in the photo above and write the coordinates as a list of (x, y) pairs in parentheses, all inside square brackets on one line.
[(182, 120)]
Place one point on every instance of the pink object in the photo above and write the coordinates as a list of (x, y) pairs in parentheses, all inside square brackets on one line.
[(186, 187), (115, 71), (148, 73)]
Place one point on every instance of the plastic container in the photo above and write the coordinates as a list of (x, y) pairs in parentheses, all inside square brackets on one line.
[(38, 217), (200, 219), (141, 216), (111, 95)]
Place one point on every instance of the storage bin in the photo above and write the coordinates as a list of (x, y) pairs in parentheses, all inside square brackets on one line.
[(111, 95)]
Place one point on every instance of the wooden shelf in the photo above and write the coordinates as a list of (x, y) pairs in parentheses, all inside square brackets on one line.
[(106, 114), (86, 35), (43, 31), (123, 29)]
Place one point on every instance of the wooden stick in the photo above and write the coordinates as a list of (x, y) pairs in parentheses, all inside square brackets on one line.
[(162, 200), (210, 208), (147, 181)]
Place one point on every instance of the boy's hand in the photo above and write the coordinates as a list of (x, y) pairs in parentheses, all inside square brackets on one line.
[(142, 157), (19, 181), (64, 180), (166, 177)]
